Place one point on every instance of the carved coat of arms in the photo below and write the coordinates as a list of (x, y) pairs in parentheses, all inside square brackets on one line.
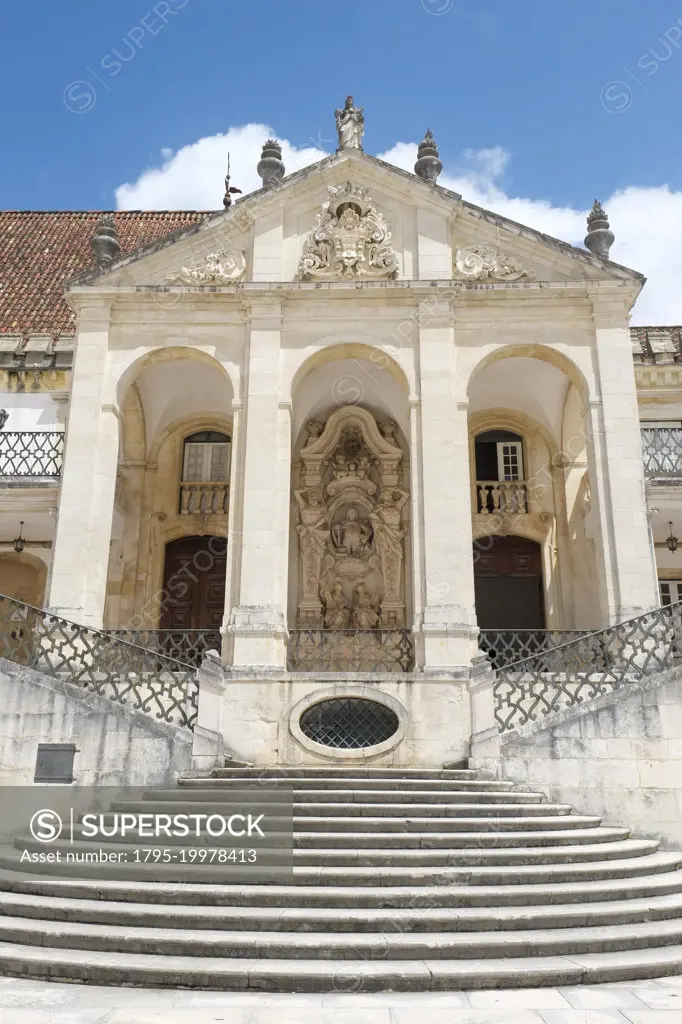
[(350, 239)]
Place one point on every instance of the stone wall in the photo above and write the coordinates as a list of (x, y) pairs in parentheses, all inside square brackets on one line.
[(619, 756), (116, 746)]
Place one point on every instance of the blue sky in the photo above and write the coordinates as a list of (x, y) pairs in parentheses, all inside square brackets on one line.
[(567, 101)]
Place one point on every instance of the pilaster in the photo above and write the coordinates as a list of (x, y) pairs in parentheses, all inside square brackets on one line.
[(449, 630), (257, 623), (86, 503), (633, 587)]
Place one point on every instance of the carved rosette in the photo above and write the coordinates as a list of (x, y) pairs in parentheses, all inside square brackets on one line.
[(483, 262), (219, 268), (350, 239), (350, 528)]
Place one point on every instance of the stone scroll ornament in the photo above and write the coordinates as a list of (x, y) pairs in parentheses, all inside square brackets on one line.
[(483, 262), (219, 268), (350, 239)]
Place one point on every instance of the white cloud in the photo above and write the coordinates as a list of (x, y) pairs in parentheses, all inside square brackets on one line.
[(647, 221)]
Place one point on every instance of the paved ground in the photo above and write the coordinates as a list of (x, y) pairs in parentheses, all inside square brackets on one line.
[(640, 1002)]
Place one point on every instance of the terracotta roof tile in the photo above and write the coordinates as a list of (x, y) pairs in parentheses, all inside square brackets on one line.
[(41, 249)]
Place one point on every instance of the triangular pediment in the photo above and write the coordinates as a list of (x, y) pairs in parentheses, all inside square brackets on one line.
[(474, 245)]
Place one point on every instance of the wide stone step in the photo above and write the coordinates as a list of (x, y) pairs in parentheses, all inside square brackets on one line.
[(347, 809), (328, 919), (339, 782), (350, 795), (455, 840), (345, 946), (366, 858), (285, 897), (472, 874), (337, 976), (478, 824), (395, 775)]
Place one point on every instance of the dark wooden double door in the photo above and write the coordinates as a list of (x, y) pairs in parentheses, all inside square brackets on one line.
[(508, 582), (194, 584)]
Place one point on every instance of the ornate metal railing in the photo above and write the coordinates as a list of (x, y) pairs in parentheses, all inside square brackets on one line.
[(35, 453), (186, 645), (504, 646), (510, 496), (207, 499), (662, 451), (596, 663), (350, 650), (143, 680)]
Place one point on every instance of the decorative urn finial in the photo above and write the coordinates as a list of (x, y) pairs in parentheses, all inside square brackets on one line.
[(599, 238), (428, 165), (104, 241), (270, 167)]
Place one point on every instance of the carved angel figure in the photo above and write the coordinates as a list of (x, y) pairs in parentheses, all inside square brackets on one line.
[(365, 613), (335, 606), (312, 530)]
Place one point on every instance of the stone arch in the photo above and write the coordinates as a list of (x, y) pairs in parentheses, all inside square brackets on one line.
[(23, 577), (124, 374), (327, 350), (544, 353)]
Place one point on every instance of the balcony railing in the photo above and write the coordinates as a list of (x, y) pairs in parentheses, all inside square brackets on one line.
[(31, 453), (350, 650), (662, 451), (508, 496), (204, 498)]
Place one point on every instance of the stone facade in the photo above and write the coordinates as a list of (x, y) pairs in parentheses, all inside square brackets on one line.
[(353, 331)]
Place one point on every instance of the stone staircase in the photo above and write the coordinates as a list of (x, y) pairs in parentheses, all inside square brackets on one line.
[(403, 879)]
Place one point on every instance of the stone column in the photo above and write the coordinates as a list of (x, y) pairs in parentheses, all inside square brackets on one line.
[(86, 501), (234, 527), (257, 624), (416, 519), (633, 587), (449, 627)]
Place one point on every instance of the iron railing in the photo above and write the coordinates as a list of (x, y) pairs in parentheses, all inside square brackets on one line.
[(143, 680), (186, 645), (509, 496), (504, 646), (34, 453), (596, 663), (350, 650), (662, 451)]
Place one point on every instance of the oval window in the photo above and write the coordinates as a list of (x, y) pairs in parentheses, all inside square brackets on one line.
[(349, 723)]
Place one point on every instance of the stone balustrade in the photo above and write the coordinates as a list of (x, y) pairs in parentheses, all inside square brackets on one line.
[(204, 498), (509, 496)]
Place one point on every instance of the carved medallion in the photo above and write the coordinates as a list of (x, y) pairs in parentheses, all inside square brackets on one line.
[(483, 262), (350, 239), (224, 267)]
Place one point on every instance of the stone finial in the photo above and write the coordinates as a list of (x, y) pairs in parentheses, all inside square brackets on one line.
[(599, 238), (428, 165), (104, 241), (270, 167)]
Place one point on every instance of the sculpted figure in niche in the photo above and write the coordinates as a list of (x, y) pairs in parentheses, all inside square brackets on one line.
[(386, 517), (365, 613), (352, 536), (313, 528), (335, 606)]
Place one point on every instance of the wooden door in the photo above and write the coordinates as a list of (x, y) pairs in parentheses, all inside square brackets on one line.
[(508, 582), (194, 583)]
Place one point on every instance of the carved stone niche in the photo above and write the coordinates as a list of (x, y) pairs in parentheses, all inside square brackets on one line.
[(350, 527)]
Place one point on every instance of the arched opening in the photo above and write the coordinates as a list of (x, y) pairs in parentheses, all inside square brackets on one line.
[(350, 553), (193, 601), (509, 583)]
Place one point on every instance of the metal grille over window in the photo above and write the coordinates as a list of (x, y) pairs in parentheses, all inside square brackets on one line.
[(349, 723), (205, 474)]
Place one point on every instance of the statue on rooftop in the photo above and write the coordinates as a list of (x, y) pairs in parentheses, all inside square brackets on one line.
[(350, 124)]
